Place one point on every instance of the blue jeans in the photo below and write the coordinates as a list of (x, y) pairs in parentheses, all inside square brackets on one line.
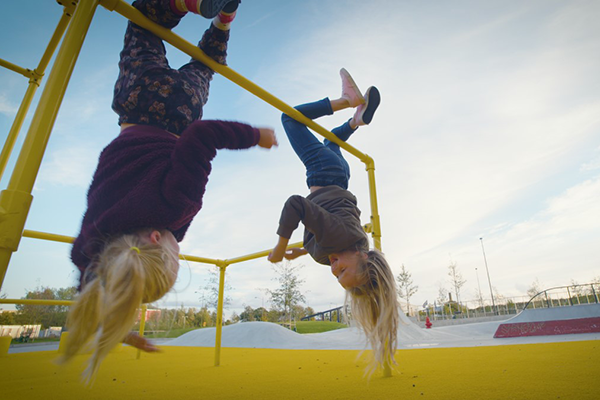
[(324, 162)]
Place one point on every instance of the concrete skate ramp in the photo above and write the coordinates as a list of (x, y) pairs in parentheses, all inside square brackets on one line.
[(267, 335), (579, 319)]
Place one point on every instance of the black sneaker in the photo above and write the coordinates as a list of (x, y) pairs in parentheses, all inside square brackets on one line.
[(210, 8), (231, 7), (364, 113)]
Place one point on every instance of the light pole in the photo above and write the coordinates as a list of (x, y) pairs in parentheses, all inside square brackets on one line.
[(480, 296), (488, 276)]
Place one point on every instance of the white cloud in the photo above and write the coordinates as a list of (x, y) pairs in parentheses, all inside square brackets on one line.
[(7, 107), (70, 166)]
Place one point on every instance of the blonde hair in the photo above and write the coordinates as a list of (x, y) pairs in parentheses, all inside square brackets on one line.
[(374, 305), (130, 270)]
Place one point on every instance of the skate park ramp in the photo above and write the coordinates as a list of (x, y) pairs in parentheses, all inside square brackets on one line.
[(552, 321), (265, 361)]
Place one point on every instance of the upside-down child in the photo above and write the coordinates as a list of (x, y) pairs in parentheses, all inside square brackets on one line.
[(150, 180), (333, 233)]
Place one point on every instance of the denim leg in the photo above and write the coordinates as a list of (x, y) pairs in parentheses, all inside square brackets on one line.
[(343, 132), (323, 166)]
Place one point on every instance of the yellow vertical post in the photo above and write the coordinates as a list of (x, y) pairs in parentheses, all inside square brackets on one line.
[(142, 325), (16, 199), (62, 344), (4, 345), (222, 267), (376, 234), (375, 222), (34, 82)]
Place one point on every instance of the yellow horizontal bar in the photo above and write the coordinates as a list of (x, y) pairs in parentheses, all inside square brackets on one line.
[(48, 236), (138, 18), (260, 254), (27, 73), (69, 239), (37, 302)]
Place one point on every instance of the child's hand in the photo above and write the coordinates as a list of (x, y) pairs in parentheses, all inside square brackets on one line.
[(135, 340), (278, 252), (275, 257), (294, 252), (267, 138)]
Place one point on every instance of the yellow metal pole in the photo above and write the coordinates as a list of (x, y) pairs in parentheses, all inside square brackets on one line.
[(375, 222), (376, 234), (142, 325), (138, 18), (222, 268), (259, 254), (35, 77), (37, 302), (48, 236), (16, 199), (26, 72)]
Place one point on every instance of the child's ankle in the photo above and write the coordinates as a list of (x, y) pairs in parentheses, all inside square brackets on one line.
[(223, 20), (176, 7)]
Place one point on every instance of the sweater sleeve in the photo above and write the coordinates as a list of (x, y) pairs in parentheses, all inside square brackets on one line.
[(314, 217), (190, 166)]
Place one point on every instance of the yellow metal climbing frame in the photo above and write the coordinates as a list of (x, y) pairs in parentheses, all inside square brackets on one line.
[(16, 199)]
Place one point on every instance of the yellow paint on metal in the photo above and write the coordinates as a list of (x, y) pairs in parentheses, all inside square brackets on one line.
[(62, 344), (222, 268), (142, 325), (35, 77), (16, 199), (26, 72), (4, 345), (36, 302)]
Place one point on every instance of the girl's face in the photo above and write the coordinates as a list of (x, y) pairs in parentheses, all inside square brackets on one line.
[(166, 239), (170, 242), (346, 267)]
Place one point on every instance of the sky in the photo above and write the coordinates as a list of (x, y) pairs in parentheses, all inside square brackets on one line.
[(489, 127)]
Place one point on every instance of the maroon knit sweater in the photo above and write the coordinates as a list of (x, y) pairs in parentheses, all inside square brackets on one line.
[(148, 178)]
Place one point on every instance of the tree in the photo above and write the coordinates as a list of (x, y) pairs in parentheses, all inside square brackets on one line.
[(288, 294), (442, 296), (456, 279), (405, 286), (234, 317), (7, 318), (212, 287), (534, 288), (247, 315), (45, 315)]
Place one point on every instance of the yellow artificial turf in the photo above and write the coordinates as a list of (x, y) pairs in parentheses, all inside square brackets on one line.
[(568, 370)]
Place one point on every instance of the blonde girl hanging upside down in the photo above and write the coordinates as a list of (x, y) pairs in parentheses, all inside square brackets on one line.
[(150, 180), (333, 233)]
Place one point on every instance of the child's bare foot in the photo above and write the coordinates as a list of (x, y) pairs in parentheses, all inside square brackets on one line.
[(364, 112), (350, 91)]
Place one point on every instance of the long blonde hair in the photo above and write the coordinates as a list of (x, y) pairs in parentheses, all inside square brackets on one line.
[(130, 270), (374, 305)]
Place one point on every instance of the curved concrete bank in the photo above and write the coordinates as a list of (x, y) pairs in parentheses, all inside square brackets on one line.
[(552, 321)]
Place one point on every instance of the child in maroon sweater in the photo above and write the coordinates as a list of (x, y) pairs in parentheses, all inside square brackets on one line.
[(150, 180)]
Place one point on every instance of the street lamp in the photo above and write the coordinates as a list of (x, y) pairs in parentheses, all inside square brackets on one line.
[(480, 296), (488, 275)]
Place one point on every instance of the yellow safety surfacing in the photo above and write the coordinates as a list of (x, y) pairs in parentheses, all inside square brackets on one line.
[(567, 370)]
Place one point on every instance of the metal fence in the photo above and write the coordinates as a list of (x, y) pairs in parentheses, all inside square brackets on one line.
[(565, 296), (562, 296)]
